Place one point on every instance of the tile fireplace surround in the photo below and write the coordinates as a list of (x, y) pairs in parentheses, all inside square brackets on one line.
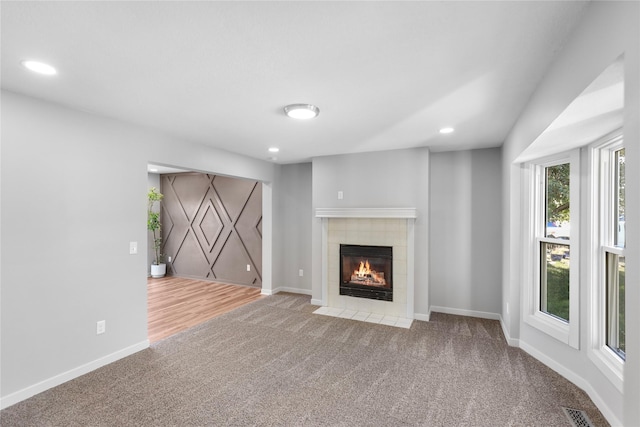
[(369, 226)]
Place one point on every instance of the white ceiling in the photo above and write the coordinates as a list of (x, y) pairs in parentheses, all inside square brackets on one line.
[(385, 75), (596, 112)]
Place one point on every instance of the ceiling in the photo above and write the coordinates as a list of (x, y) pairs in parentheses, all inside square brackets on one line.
[(385, 75), (596, 112)]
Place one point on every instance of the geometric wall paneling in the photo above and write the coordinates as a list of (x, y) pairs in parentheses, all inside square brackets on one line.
[(233, 193), (209, 225), (245, 226), (189, 258), (224, 267), (212, 227), (259, 227)]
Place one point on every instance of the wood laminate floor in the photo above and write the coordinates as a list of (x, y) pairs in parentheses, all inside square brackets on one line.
[(175, 303)]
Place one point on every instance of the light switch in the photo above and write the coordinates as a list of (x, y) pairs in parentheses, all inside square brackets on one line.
[(133, 248)]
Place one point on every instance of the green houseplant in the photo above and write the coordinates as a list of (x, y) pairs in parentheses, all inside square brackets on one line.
[(158, 268)]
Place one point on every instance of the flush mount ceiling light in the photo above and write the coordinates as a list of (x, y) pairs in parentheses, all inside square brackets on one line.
[(39, 67), (447, 130), (301, 111), (274, 149)]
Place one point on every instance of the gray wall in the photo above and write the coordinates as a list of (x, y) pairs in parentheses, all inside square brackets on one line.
[(73, 189), (294, 216), (466, 231), (398, 178), (607, 30)]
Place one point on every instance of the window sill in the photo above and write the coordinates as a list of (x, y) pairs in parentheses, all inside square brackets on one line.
[(611, 366), (550, 325)]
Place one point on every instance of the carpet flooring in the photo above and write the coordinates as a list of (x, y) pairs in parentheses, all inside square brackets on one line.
[(275, 363)]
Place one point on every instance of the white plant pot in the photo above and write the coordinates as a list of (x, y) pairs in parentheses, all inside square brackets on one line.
[(158, 270)]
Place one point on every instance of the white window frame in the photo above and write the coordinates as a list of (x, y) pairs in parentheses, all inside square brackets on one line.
[(566, 332), (602, 176)]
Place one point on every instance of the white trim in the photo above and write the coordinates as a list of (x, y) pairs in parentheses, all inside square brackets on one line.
[(266, 292), (513, 342), (599, 197), (267, 238), (410, 268), (609, 364), (56, 380), (533, 220), (291, 290), (463, 312), (422, 317), (366, 213), (316, 302), (576, 379), (324, 274)]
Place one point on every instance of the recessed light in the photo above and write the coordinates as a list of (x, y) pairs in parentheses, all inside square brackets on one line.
[(274, 149), (39, 67), (153, 170), (301, 111), (447, 130)]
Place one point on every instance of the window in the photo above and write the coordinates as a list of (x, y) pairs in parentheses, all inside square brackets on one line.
[(555, 244), (607, 262), (552, 271), (614, 250)]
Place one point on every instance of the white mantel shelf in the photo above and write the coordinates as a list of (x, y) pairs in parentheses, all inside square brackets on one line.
[(366, 213)]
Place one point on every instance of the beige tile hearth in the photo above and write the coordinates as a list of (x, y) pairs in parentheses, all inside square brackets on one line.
[(398, 322)]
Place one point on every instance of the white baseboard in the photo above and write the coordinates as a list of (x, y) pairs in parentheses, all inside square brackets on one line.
[(513, 342), (266, 292), (32, 390), (292, 290), (317, 302), (576, 379), (462, 312), (423, 317)]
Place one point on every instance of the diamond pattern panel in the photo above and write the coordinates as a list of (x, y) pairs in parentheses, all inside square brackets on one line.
[(210, 225), (214, 227)]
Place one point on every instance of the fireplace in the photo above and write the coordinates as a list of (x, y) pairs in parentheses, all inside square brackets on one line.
[(366, 271)]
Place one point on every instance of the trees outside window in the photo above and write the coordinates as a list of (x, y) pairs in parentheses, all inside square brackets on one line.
[(552, 269)]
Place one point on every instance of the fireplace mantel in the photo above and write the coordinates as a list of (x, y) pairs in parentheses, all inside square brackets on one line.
[(366, 213)]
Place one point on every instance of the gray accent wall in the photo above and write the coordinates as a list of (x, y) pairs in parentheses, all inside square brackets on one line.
[(465, 260), (212, 227)]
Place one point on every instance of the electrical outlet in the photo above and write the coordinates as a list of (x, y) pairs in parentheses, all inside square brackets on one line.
[(168, 259), (133, 248), (507, 308), (248, 267), (340, 195), (101, 327), (300, 273)]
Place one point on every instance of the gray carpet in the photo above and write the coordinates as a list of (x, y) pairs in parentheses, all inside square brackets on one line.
[(274, 363)]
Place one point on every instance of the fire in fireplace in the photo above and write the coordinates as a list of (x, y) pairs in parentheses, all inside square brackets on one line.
[(366, 271)]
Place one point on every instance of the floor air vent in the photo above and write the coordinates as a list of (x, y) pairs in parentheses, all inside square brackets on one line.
[(578, 418)]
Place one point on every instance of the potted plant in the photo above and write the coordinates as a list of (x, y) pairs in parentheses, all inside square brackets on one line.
[(158, 268)]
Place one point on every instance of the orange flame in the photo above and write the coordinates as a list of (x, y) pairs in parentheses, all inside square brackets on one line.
[(365, 271)]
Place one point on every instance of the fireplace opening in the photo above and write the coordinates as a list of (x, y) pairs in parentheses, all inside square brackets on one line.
[(366, 271)]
